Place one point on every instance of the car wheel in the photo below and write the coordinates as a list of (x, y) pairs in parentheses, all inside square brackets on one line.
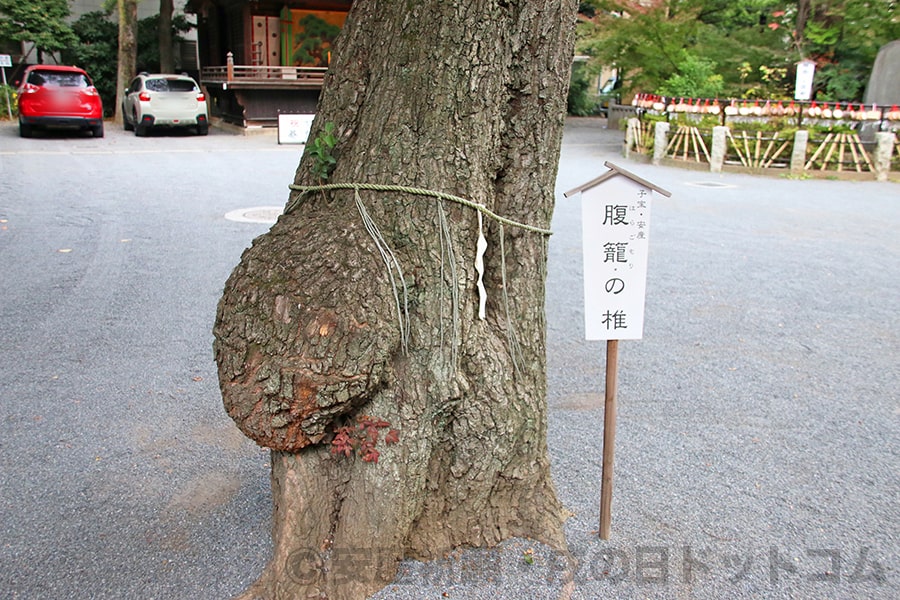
[(128, 125), (140, 130), (97, 130), (25, 131), (202, 129)]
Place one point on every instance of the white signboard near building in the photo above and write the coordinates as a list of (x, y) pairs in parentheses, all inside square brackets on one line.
[(806, 72), (616, 230), (294, 129)]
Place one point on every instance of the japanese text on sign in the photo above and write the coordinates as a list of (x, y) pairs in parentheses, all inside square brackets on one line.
[(294, 129), (615, 231)]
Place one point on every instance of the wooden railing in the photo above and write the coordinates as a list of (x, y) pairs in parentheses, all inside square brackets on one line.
[(801, 152), (790, 111), (232, 73)]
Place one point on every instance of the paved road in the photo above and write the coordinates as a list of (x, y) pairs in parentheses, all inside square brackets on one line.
[(759, 430)]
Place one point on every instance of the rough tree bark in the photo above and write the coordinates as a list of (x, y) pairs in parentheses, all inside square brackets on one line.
[(804, 8), (466, 98), (127, 51), (166, 42)]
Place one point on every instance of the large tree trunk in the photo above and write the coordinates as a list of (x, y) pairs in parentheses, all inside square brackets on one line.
[(312, 332), (127, 51), (166, 42), (804, 7)]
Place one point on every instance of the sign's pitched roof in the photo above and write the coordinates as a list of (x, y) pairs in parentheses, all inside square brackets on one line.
[(613, 171)]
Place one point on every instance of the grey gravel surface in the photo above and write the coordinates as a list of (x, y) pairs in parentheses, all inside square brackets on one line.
[(759, 424)]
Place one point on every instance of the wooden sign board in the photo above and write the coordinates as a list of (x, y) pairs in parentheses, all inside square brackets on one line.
[(616, 233), (803, 84), (616, 225)]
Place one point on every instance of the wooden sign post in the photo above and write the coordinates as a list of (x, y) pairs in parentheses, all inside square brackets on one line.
[(615, 234), (609, 437)]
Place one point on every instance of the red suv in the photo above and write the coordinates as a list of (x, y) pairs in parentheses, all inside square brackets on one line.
[(57, 96)]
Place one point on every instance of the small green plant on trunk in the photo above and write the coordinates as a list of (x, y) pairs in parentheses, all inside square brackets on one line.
[(321, 152)]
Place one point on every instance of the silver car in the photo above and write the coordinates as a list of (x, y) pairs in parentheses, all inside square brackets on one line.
[(156, 100)]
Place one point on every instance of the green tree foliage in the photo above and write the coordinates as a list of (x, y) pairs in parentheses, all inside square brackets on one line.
[(8, 102), (95, 51), (843, 37), (764, 81), (579, 101), (42, 22), (97, 45), (658, 46), (695, 77), (148, 58), (732, 16), (645, 44), (674, 40)]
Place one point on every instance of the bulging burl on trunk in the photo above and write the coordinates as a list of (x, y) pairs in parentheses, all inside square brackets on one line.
[(302, 339), (310, 332)]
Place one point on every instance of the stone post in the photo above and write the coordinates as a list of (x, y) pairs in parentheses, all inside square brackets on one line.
[(798, 154), (229, 66), (632, 124), (719, 144), (881, 157), (660, 141)]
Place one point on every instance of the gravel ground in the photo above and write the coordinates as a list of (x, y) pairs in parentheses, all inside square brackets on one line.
[(759, 419), (759, 422)]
